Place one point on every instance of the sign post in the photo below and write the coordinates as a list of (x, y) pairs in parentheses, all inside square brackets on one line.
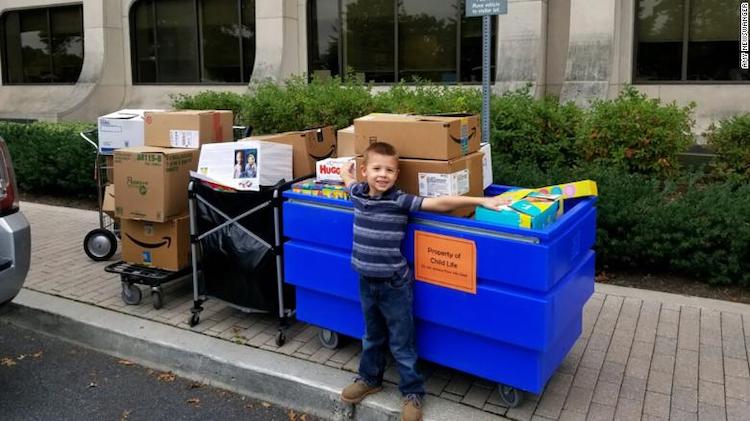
[(485, 9)]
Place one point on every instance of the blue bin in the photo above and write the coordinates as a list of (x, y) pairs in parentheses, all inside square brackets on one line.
[(526, 313)]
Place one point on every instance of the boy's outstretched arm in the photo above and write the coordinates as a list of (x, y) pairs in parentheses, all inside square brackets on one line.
[(451, 203), (347, 174)]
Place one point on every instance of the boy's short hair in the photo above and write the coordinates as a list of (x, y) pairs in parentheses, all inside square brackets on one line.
[(381, 148)]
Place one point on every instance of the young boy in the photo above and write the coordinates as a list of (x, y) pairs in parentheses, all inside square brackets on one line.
[(381, 212)]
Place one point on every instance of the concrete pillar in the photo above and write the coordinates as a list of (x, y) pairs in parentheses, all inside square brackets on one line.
[(277, 51), (521, 46), (590, 59)]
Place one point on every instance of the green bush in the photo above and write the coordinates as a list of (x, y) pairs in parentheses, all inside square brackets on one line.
[(51, 157), (542, 132), (212, 100), (636, 133), (422, 98), (730, 138), (297, 104)]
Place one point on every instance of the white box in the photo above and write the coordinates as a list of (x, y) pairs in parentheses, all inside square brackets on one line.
[(486, 164), (245, 165), (121, 129), (330, 169)]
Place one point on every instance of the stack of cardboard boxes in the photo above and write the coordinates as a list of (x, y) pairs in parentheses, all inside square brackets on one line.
[(150, 184), (439, 155)]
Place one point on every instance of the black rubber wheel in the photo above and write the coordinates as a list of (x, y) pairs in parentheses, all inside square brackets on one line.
[(328, 338), (194, 319), (280, 338), (510, 396), (131, 294), (100, 244), (157, 299)]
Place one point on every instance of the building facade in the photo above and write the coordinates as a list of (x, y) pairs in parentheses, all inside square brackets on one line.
[(67, 60)]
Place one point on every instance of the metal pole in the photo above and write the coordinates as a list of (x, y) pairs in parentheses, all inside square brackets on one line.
[(486, 38)]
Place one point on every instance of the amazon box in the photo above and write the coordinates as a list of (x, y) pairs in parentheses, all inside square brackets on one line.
[(163, 245), (345, 140), (309, 146), (108, 201), (440, 137), (188, 128), (151, 183), (461, 176)]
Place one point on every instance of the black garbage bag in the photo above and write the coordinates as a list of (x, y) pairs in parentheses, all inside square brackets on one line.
[(238, 260)]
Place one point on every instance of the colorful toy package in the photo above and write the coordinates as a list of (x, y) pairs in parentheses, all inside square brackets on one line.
[(534, 210), (313, 188)]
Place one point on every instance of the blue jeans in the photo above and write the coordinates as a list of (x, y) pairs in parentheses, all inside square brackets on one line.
[(389, 320)]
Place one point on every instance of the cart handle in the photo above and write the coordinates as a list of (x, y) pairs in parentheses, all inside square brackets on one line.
[(85, 135)]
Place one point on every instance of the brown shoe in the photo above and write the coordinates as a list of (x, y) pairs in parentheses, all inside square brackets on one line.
[(412, 408), (355, 392)]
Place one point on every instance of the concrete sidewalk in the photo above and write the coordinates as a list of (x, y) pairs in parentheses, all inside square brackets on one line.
[(642, 355)]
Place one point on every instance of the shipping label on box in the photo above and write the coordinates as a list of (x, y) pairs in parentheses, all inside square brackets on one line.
[(163, 245), (121, 129), (435, 185), (184, 138), (151, 183), (330, 169), (246, 165), (486, 164)]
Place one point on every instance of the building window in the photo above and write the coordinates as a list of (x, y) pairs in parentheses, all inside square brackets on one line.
[(688, 40), (390, 40), (193, 41), (43, 46)]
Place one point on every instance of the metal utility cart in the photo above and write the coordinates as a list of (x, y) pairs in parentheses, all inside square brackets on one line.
[(236, 245), (515, 328), (100, 243), (130, 275)]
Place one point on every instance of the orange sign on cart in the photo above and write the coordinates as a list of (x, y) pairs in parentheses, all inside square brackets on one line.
[(450, 262)]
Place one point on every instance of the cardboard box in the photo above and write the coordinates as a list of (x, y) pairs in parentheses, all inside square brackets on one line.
[(188, 128), (345, 139), (108, 201), (486, 164), (440, 137), (164, 245), (247, 164), (121, 129), (534, 211), (430, 178), (309, 146), (151, 183), (330, 169)]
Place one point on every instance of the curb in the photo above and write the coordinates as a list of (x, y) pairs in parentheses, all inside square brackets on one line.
[(276, 378)]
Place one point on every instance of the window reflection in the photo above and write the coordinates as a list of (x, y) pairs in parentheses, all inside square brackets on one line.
[(42, 45), (712, 45), (193, 41), (389, 40)]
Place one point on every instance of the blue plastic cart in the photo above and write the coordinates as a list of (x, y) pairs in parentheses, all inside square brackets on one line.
[(524, 318)]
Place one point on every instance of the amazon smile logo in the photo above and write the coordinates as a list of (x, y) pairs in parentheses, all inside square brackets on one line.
[(471, 135), (326, 156), (167, 241)]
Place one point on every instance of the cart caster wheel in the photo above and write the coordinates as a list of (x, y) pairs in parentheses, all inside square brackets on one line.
[(280, 338), (195, 318), (510, 396), (131, 294), (157, 299), (100, 244), (328, 338)]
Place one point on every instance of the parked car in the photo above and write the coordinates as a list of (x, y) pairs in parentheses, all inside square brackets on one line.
[(15, 232)]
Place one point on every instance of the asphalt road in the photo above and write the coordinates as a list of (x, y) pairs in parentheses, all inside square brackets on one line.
[(44, 378)]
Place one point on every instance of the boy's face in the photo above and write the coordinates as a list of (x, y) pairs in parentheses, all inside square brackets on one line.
[(251, 159), (380, 172)]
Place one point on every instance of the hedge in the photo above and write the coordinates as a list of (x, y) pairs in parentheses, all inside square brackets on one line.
[(51, 157)]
